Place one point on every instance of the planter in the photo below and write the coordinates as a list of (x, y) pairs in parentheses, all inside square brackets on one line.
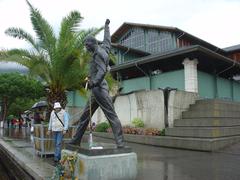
[(43, 143)]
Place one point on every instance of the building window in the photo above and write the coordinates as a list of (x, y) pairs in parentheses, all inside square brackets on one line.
[(158, 41), (166, 41), (134, 39), (152, 41)]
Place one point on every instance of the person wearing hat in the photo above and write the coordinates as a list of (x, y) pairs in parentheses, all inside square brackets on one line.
[(58, 125)]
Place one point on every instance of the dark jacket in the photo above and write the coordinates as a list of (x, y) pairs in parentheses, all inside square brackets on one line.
[(99, 65)]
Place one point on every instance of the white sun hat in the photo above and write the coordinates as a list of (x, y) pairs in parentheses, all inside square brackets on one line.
[(57, 105)]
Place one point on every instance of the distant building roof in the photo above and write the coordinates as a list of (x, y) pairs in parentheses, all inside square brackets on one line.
[(6, 67), (232, 48), (127, 25)]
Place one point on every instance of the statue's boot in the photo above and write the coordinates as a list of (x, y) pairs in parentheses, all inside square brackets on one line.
[(76, 140)]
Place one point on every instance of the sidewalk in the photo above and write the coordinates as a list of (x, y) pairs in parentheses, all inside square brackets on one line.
[(20, 149), (155, 163)]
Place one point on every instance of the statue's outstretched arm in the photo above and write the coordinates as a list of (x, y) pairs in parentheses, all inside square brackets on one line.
[(107, 37)]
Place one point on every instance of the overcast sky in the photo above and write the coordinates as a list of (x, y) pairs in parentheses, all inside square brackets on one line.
[(215, 21)]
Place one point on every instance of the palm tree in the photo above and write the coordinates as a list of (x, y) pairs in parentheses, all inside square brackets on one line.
[(59, 61)]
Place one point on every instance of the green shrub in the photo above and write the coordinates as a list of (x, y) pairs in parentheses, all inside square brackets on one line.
[(162, 132), (102, 127), (138, 122)]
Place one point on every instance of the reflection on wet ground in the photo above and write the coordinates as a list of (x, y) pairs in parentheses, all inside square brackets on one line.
[(16, 133), (156, 163)]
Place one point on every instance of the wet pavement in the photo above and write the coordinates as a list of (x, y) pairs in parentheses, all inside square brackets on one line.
[(156, 163)]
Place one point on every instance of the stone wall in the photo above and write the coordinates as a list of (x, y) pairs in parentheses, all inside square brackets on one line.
[(149, 106), (178, 102)]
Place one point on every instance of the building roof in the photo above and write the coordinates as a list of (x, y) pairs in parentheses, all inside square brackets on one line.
[(127, 25), (209, 61), (232, 48)]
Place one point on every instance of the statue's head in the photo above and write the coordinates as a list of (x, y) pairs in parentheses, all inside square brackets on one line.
[(90, 43)]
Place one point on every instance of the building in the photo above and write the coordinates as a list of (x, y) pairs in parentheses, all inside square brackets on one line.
[(151, 57)]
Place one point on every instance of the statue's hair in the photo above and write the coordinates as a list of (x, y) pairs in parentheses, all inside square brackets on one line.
[(91, 39)]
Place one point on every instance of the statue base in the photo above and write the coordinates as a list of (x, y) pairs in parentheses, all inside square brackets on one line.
[(97, 149), (103, 162)]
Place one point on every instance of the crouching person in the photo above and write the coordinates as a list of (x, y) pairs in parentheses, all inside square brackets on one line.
[(58, 125)]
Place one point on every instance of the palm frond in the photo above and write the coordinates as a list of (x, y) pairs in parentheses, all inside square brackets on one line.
[(43, 30), (41, 68), (69, 24), (22, 34), (19, 56), (62, 62), (35, 63)]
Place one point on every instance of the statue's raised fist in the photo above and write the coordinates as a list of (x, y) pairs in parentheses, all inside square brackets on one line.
[(107, 22)]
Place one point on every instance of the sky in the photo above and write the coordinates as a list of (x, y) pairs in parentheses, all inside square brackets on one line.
[(215, 21)]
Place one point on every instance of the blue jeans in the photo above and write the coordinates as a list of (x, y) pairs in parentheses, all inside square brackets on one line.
[(57, 136)]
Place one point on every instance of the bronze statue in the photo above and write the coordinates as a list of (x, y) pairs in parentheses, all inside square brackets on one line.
[(99, 87)]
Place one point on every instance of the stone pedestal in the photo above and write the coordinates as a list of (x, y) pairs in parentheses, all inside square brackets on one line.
[(103, 162)]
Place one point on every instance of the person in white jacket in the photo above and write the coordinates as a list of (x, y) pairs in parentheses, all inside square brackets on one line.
[(58, 125)]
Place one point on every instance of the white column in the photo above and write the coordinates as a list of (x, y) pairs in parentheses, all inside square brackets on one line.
[(190, 74)]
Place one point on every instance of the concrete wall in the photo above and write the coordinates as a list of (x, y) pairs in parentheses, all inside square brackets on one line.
[(142, 83), (178, 102), (75, 105), (224, 87), (76, 99), (173, 79), (212, 87), (206, 85), (236, 91), (74, 113), (149, 106)]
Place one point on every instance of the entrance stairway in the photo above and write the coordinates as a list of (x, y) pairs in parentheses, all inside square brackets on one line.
[(208, 125)]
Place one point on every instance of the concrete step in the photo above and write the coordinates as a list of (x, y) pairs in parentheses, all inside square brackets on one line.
[(210, 113), (200, 144), (207, 122), (203, 132), (210, 106), (217, 102)]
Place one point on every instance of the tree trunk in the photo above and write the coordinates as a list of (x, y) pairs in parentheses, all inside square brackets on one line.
[(4, 108), (55, 95)]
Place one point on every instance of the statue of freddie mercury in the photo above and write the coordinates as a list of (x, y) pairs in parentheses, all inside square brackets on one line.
[(99, 65)]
